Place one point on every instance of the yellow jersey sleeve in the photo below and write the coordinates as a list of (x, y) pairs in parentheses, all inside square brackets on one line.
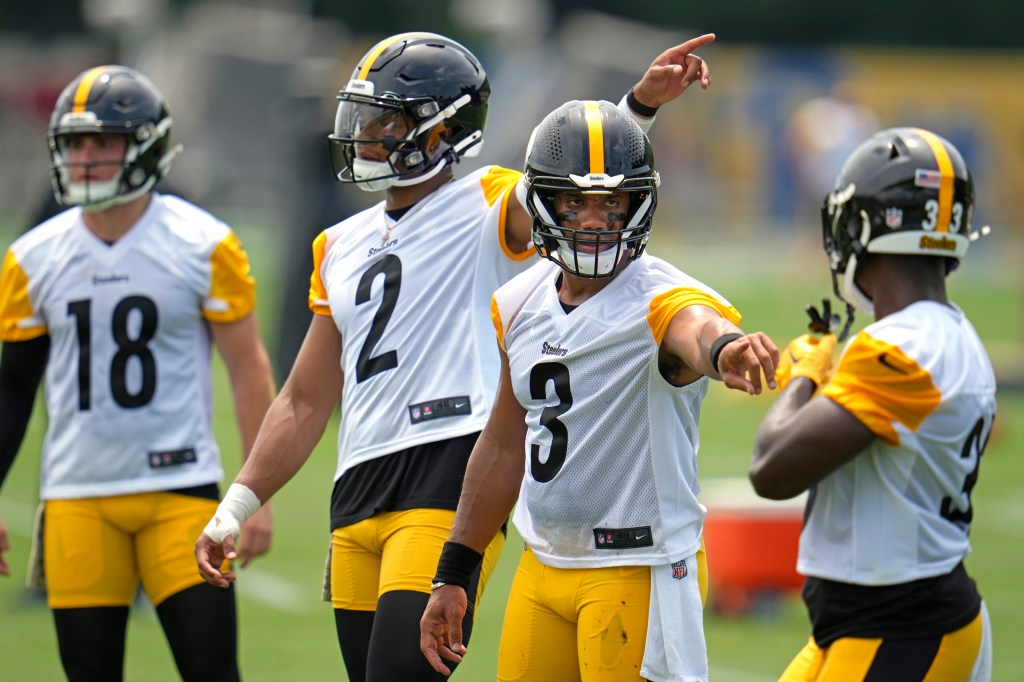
[(881, 386), (664, 307), (499, 185), (232, 287), (497, 182), (17, 318), (317, 291), (499, 328)]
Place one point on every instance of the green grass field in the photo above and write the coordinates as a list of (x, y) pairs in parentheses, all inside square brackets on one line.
[(286, 633)]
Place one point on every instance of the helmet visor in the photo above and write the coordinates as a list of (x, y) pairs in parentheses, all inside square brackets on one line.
[(372, 133)]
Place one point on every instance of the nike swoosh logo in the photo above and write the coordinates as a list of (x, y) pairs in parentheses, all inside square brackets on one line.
[(641, 537), (459, 406), (883, 360)]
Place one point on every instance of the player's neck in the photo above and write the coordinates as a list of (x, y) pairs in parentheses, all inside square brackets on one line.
[(113, 223), (899, 282), (574, 291), (409, 195)]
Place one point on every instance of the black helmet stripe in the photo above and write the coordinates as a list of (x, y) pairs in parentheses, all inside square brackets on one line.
[(946, 173), (85, 87)]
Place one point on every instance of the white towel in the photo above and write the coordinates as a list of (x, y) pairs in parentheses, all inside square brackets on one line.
[(675, 650)]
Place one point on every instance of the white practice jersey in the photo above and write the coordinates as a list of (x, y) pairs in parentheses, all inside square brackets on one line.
[(411, 300), (611, 446), (128, 377), (901, 510)]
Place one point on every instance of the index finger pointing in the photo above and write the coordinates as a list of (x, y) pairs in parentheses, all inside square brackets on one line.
[(676, 54)]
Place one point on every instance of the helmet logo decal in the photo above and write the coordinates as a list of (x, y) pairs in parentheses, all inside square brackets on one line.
[(930, 179), (893, 218), (596, 180), (84, 87), (359, 87), (592, 112), (941, 243)]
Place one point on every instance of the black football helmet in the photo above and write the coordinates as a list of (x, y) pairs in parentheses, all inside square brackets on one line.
[(111, 99), (904, 191), (420, 100), (593, 148)]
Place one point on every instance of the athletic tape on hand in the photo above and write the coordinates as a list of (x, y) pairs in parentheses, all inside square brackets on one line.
[(238, 505)]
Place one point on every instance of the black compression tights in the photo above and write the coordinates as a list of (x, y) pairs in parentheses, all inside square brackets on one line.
[(383, 645), (199, 623)]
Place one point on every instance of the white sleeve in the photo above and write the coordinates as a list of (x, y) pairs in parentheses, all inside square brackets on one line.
[(645, 122)]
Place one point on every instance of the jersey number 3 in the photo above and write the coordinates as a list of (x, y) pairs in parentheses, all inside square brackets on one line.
[(128, 347), (558, 374), (973, 447)]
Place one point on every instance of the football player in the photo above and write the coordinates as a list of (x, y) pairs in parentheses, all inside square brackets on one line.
[(890, 447), (119, 299), (606, 355), (401, 293)]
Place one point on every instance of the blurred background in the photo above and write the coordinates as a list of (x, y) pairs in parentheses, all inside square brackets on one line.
[(796, 85)]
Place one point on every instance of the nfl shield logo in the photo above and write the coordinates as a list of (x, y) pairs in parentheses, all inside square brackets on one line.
[(415, 413), (893, 217), (679, 569)]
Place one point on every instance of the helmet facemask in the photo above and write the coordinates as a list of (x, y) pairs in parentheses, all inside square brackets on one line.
[(846, 231), (590, 148), (146, 159), (403, 142), (590, 253)]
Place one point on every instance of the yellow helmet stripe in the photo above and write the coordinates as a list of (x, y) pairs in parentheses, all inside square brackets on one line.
[(375, 52), (592, 112), (84, 87), (945, 215)]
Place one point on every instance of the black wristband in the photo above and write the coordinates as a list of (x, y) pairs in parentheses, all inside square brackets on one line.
[(638, 108), (456, 565), (720, 343)]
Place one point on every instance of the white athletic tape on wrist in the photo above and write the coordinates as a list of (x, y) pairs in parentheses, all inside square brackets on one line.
[(235, 509)]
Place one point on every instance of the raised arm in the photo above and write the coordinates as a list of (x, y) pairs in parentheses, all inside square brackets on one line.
[(668, 76), (671, 73)]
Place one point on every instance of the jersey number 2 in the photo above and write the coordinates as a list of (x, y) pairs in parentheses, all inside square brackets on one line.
[(127, 348), (391, 267)]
